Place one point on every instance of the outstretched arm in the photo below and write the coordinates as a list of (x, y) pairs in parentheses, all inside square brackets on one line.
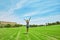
[(29, 18)]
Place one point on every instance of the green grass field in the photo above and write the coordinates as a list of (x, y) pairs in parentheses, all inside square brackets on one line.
[(35, 33)]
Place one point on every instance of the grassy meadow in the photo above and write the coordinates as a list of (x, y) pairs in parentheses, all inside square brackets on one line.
[(35, 33)]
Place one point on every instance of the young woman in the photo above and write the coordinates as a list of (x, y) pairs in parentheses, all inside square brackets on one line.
[(27, 24)]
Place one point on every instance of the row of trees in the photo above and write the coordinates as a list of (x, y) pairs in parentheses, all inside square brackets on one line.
[(20, 25), (36, 25), (47, 24), (55, 23), (9, 25)]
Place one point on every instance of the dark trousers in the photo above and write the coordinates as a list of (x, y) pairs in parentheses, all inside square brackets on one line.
[(27, 28)]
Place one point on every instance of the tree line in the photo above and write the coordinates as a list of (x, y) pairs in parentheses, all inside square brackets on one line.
[(54, 23), (47, 24), (20, 25), (10, 26)]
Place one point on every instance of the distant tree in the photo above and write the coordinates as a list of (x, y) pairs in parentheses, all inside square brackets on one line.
[(40, 25), (48, 23), (33, 25), (54, 23), (17, 25), (7, 25), (57, 22)]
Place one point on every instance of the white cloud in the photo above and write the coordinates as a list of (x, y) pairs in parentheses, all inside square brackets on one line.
[(30, 14), (44, 20), (37, 12), (5, 16), (9, 15), (20, 4)]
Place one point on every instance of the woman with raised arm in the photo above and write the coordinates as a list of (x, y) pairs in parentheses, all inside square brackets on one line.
[(27, 24)]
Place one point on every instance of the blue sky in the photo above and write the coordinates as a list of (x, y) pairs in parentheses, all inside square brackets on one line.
[(40, 11)]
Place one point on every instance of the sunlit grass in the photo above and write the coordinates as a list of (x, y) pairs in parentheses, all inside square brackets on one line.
[(35, 33)]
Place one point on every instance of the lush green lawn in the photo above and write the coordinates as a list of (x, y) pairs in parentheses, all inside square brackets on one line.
[(37, 33)]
